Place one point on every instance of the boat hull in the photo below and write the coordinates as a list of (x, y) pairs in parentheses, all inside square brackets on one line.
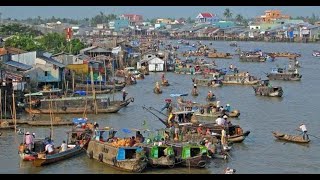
[(49, 159)]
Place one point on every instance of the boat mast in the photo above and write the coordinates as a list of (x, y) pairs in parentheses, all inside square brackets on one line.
[(93, 91), (1, 105), (51, 118), (5, 104), (30, 113), (14, 112)]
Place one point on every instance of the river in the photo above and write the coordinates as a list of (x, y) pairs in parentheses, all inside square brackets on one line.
[(259, 153)]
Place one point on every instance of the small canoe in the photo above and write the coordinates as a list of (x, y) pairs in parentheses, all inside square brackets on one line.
[(238, 138), (157, 91), (290, 138), (48, 123), (43, 159)]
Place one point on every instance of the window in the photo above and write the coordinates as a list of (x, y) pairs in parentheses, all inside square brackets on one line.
[(46, 73)]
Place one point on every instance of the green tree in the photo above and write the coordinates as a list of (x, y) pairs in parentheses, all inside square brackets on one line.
[(227, 14), (239, 19)]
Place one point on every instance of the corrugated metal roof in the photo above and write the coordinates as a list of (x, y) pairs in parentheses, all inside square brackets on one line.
[(18, 65), (43, 56)]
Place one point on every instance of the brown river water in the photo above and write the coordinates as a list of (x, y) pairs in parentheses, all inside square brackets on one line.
[(259, 153)]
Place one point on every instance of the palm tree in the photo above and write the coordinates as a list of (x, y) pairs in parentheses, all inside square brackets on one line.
[(227, 13), (239, 18)]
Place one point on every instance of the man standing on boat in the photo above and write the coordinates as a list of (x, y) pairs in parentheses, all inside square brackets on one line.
[(29, 141), (124, 95), (303, 128)]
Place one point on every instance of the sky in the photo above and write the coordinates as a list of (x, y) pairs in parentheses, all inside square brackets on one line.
[(80, 12)]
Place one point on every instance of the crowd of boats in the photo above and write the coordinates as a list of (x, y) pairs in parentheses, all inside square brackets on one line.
[(183, 141)]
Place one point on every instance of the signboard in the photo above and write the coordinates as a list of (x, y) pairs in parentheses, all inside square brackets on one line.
[(69, 34)]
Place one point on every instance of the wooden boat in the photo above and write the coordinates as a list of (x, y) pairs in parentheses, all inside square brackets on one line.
[(233, 44), (210, 82), (27, 155), (316, 53), (285, 54), (7, 127), (118, 156), (240, 79), (157, 91), (283, 74), (157, 156), (43, 159), (265, 89), (165, 83), (48, 123), (75, 105), (251, 57), (210, 99), (191, 155), (194, 92), (233, 114), (219, 55), (290, 138), (238, 138)]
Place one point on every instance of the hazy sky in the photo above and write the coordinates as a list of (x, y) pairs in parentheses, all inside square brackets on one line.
[(79, 12)]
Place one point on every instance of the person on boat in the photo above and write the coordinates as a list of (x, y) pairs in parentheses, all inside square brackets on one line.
[(224, 140), (195, 86), (95, 125), (29, 141), (227, 108), (208, 132), (132, 141), (139, 137), (210, 95), (162, 77), (218, 105), (124, 95), (209, 146), (63, 146), (231, 67), (304, 130), (220, 121), (229, 171), (199, 129), (157, 86), (34, 135), (49, 149), (176, 131)]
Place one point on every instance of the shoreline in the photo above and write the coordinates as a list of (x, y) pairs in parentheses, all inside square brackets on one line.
[(286, 40)]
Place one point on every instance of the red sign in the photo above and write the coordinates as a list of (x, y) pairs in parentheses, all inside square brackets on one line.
[(69, 34)]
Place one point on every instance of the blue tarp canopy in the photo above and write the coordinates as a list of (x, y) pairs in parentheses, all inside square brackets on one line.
[(178, 95), (79, 120)]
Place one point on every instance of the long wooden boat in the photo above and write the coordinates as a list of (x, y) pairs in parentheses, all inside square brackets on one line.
[(251, 57), (120, 157), (283, 74), (77, 105), (48, 123), (272, 91), (290, 138), (240, 79), (233, 114), (72, 151), (209, 82)]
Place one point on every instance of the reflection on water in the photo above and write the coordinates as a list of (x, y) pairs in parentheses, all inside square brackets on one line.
[(259, 153)]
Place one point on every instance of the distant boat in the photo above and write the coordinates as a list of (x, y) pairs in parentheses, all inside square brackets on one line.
[(316, 53), (290, 138)]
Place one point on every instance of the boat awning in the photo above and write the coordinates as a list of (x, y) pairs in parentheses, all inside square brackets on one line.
[(34, 94)]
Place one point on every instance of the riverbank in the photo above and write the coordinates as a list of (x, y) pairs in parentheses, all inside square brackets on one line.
[(262, 39)]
